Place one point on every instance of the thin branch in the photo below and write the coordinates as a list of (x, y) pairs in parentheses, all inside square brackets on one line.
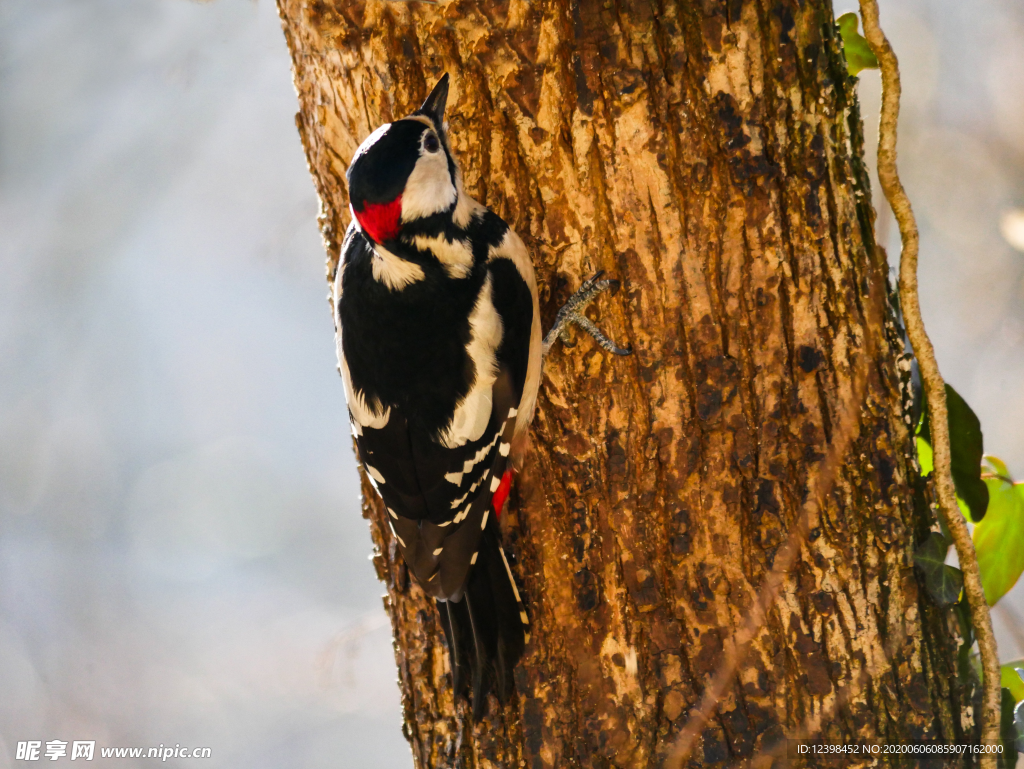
[(930, 376)]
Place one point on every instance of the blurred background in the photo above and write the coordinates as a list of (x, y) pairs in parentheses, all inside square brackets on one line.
[(182, 558)]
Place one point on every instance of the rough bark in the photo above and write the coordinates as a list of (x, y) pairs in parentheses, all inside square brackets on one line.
[(708, 155)]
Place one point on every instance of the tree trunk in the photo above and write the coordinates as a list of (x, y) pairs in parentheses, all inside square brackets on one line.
[(708, 155)]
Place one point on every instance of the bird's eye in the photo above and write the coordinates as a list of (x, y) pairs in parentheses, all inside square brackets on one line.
[(431, 144)]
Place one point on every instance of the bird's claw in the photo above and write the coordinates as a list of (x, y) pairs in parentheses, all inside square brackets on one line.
[(571, 313)]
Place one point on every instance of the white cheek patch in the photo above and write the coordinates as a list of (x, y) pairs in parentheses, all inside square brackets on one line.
[(429, 189), (473, 412)]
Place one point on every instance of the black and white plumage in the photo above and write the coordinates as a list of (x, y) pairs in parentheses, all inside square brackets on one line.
[(439, 345)]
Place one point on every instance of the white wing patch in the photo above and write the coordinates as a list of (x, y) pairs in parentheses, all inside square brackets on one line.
[(512, 247), (456, 256), (364, 414), (469, 464), (393, 271), (474, 411), (503, 449)]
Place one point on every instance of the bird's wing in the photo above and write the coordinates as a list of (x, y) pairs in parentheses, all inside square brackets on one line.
[(439, 498), (438, 487)]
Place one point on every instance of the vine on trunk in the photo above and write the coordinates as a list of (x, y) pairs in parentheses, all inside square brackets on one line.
[(934, 386)]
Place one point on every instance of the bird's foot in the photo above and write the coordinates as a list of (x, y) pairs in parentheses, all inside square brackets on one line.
[(571, 313)]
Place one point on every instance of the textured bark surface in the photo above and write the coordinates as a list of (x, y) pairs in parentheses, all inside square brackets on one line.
[(708, 155)]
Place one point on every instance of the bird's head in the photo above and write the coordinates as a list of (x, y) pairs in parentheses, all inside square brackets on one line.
[(404, 171)]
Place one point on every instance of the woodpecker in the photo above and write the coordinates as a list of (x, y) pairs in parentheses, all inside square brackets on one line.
[(440, 350)]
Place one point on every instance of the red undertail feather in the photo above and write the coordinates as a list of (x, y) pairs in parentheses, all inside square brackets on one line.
[(501, 493), (381, 220)]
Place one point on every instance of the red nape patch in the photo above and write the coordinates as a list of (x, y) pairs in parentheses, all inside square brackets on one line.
[(380, 220), (501, 493)]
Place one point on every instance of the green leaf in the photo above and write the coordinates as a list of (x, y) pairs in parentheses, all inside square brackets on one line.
[(942, 582), (1008, 733), (858, 53), (999, 538), (966, 446), (996, 467), (1011, 676), (925, 457)]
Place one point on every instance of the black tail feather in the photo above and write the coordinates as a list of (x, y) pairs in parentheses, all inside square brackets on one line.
[(457, 659), (486, 629), (482, 635)]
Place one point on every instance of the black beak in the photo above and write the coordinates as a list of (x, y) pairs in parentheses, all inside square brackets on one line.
[(434, 105)]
